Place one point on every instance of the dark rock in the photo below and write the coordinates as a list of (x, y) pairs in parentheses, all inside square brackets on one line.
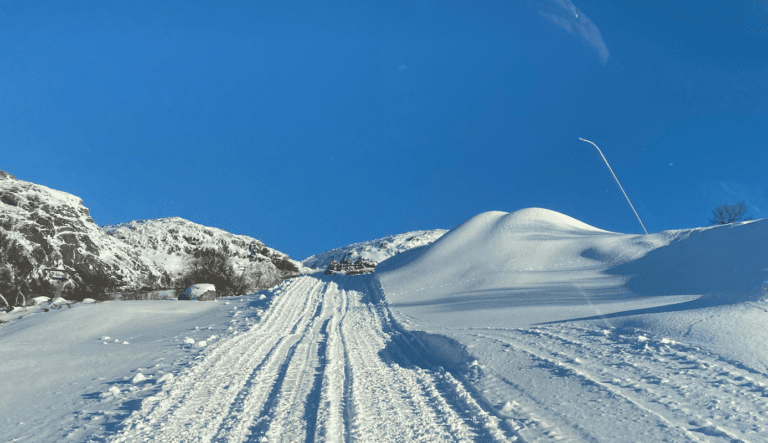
[(9, 199), (346, 266)]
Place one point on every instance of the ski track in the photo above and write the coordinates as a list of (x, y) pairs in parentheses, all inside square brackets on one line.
[(324, 363), (687, 393)]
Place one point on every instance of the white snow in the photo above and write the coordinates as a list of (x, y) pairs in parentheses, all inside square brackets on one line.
[(530, 326), (138, 378), (666, 331), (166, 243), (67, 373)]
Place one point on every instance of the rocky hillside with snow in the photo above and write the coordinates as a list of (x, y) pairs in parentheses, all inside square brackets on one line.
[(170, 242), (375, 251), (42, 229)]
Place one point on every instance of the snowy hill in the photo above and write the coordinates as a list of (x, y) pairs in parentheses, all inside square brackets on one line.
[(540, 258), (169, 242), (549, 316), (375, 250), (44, 228)]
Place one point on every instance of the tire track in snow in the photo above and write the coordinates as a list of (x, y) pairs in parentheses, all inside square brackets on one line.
[(263, 398), (672, 376), (566, 369), (331, 418), (667, 379), (324, 364), (210, 388), (284, 420), (457, 419)]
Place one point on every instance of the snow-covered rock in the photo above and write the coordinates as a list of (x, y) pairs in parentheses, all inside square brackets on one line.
[(347, 267), (138, 378), (374, 251), (42, 229), (199, 292), (40, 300), (170, 242)]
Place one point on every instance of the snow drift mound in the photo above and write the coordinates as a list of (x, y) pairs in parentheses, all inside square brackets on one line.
[(489, 245), (540, 258)]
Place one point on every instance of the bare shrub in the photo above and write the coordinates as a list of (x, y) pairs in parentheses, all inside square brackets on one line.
[(726, 214), (210, 266)]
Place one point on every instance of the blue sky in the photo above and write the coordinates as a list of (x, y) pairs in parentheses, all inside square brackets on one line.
[(312, 125)]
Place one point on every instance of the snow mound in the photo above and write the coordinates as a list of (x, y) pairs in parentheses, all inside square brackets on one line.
[(540, 258)]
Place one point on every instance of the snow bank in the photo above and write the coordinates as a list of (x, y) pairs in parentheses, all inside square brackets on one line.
[(65, 373)]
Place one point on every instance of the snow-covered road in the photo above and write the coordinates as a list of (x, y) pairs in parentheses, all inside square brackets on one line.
[(324, 363)]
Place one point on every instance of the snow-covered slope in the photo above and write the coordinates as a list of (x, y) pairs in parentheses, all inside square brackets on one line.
[(528, 326), (537, 257), (580, 334), (169, 242), (375, 250)]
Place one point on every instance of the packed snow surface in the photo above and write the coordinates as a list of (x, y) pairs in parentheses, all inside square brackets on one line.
[(525, 327)]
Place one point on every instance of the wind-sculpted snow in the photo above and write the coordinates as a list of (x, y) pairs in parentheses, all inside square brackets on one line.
[(375, 250), (528, 327), (323, 359), (583, 382), (587, 335), (538, 261)]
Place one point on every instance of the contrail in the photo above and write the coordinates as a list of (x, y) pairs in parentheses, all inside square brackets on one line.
[(617, 182)]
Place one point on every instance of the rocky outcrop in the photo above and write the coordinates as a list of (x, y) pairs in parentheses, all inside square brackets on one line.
[(171, 242), (374, 251), (346, 266), (42, 228)]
